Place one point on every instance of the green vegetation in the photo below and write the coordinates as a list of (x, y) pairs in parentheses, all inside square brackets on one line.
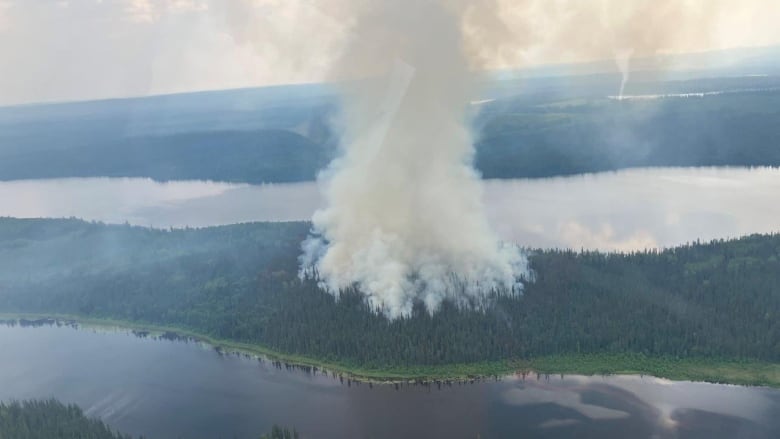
[(714, 370), (50, 419), (280, 433), (534, 130), (241, 156), (548, 138), (700, 311), (745, 372)]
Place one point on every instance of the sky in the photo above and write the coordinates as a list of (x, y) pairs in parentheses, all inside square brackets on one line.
[(63, 50)]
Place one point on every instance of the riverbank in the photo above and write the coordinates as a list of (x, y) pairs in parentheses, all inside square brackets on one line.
[(723, 371)]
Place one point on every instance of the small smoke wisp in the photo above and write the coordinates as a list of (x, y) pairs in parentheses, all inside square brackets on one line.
[(623, 62), (404, 221)]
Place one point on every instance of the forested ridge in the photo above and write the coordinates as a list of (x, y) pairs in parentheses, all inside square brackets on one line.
[(543, 139), (542, 132), (707, 300), (239, 156)]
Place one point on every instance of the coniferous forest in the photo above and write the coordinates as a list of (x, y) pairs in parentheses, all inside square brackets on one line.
[(539, 133), (50, 419), (240, 283)]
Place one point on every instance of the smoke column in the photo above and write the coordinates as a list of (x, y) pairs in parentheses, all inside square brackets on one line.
[(623, 61), (404, 219)]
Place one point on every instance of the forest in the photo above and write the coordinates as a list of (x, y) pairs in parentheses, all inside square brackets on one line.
[(522, 138), (283, 134), (51, 419), (714, 300)]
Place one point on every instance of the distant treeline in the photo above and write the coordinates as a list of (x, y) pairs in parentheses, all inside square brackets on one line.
[(707, 300), (267, 155), (562, 138), (529, 135)]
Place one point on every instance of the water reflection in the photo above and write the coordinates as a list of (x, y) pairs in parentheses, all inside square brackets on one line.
[(144, 202), (631, 406), (636, 209), (169, 388), (626, 210)]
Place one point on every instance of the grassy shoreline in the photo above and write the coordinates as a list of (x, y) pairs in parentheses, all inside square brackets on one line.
[(724, 371)]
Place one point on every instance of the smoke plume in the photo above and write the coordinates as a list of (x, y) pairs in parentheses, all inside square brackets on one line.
[(404, 218)]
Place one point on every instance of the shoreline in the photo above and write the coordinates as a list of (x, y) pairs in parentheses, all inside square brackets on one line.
[(720, 371)]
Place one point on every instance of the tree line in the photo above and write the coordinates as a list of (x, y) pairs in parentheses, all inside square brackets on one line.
[(707, 300), (51, 419)]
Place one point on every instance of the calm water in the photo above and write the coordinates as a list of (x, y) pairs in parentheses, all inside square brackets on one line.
[(169, 389), (632, 209)]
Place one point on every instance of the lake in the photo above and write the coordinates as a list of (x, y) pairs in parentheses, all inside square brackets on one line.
[(625, 210), (170, 389)]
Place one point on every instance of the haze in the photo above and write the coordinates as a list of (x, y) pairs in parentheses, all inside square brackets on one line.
[(87, 49)]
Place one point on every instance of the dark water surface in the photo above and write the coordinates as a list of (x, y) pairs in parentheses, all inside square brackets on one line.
[(170, 389)]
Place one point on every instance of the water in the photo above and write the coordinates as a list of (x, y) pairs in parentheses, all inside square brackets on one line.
[(625, 210), (168, 389)]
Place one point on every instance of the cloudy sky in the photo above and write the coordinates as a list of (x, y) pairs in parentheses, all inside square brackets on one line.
[(55, 50)]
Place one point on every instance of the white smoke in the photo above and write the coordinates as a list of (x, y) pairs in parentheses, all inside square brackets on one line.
[(623, 62), (404, 219)]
